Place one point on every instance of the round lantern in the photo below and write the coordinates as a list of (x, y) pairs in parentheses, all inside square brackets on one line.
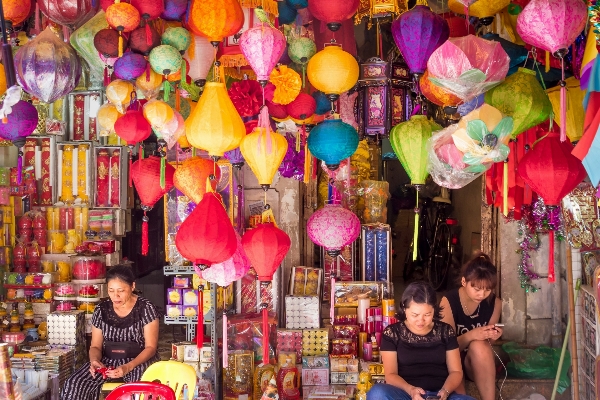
[(165, 59), (147, 175), (132, 127), (417, 34), (302, 107), (333, 227), (70, 13), (118, 92), (333, 71), (215, 19), (436, 94), (138, 39), (264, 151), (482, 9), (276, 110), (106, 41), (174, 10), (287, 13), (301, 50), (47, 67), (333, 12), (333, 141), (158, 113), (262, 46), (130, 66), (149, 9), (200, 56), (215, 125), (16, 11), (107, 117), (82, 41), (149, 84), (298, 4), (124, 18), (323, 104), (192, 177), (178, 37)]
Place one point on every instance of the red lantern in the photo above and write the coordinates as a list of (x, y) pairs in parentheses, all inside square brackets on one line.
[(106, 41), (333, 12), (302, 107), (138, 39), (124, 18), (146, 176), (552, 172), (70, 13), (149, 10), (191, 177), (459, 26), (266, 246), (133, 127)]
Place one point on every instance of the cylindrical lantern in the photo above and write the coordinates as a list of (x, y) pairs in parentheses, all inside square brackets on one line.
[(333, 141), (333, 227), (262, 46), (332, 71)]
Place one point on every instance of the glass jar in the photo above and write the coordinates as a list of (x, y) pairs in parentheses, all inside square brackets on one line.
[(88, 305), (89, 267), (64, 290), (65, 305)]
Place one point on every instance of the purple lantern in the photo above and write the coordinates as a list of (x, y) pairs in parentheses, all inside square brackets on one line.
[(235, 157), (130, 66), (417, 34), (174, 10), (17, 125), (47, 67)]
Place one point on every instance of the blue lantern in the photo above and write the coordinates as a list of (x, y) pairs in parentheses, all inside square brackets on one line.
[(287, 13), (298, 4), (333, 141), (323, 103)]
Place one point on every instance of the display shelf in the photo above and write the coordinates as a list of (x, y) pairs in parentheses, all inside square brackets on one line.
[(7, 286), (178, 269), (208, 318)]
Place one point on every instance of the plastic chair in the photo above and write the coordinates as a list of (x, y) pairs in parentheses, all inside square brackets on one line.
[(174, 374), (148, 389)]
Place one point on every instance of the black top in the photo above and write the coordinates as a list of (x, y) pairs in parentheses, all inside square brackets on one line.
[(463, 322), (421, 359)]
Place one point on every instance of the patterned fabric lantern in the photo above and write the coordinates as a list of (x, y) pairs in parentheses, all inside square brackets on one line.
[(468, 66), (287, 13), (266, 246), (124, 18), (149, 10), (552, 25), (300, 51), (174, 10), (165, 60), (333, 12), (106, 42), (298, 4), (215, 19), (82, 41), (178, 37), (147, 175), (138, 39), (333, 227), (262, 46), (230, 270), (130, 66), (149, 87), (118, 92), (409, 142), (16, 11), (264, 150), (552, 172), (200, 56), (575, 112), (214, 125), (480, 8), (523, 98), (158, 113), (333, 71), (333, 141), (20, 123), (70, 13), (192, 175), (47, 67), (417, 34)]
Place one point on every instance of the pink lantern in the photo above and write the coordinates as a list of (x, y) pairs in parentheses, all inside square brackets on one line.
[(468, 66), (333, 227), (229, 270), (552, 25), (262, 46)]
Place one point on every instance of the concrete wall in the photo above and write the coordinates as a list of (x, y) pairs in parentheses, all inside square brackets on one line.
[(464, 203)]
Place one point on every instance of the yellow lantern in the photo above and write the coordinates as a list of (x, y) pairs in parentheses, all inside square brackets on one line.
[(149, 87), (264, 151), (183, 142), (215, 125), (332, 71), (118, 92), (575, 111), (2, 80), (480, 8), (107, 116), (158, 113)]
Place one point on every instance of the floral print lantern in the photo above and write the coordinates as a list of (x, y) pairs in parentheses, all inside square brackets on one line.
[(333, 227)]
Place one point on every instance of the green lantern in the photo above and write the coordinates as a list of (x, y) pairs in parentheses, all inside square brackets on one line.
[(521, 97), (301, 51), (409, 141), (165, 60), (178, 37)]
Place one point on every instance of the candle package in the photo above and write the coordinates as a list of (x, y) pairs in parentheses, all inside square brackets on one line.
[(74, 172), (347, 294), (341, 268), (66, 328), (306, 281), (111, 166), (376, 252), (289, 340), (302, 312), (315, 342)]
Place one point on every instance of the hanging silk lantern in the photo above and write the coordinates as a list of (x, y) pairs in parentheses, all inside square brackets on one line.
[(82, 41), (418, 33), (118, 92), (552, 172), (287, 13), (332, 141), (333, 227), (278, 111), (174, 10), (178, 37), (130, 66), (149, 84), (575, 111), (107, 117), (148, 10), (323, 105), (16, 11), (158, 113), (266, 246), (133, 127), (300, 51), (297, 4), (18, 124), (200, 56), (147, 174), (230, 270), (215, 19), (106, 42), (262, 46), (70, 13), (165, 59), (333, 71), (516, 53), (333, 12), (47, 67), (192, 175), (214, 125), (139, 42), (480, 8), (302, 108), (459, 26), (436, 94), (124, 18), (521, 97), (409, 142), (553, 25)]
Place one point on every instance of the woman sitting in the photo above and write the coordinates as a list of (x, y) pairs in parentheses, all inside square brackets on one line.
[(124, 338), (473, 310), (420, 353)]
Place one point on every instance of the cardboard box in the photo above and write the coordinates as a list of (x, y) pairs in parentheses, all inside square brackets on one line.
[(302, 312), (174, 311), (335, 392), (190, 297), (315, 362), (306, 281), (344, 378), (344, 364), (177, 350), (315, 376), (315, 342), (174, 296), (206, 354), (191, 352)]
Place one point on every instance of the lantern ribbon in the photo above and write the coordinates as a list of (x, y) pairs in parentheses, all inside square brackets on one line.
[(551, 276), (263, 122), (145, 234), (265, 326), (331, 291), (225, 350), (505, 188), (416, 232), (200, 327)]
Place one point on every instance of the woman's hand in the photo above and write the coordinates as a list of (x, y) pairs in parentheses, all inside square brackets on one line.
[(94, 365), (484, 333), (443, 394), (119, 372), (496, 332), (416, 392)]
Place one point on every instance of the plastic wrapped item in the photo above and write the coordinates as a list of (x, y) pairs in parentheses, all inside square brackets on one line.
[(376, 195), (342, 268), (87, 305), (345, 331), (65, 305), (91, 289), (347, 293), (64, 290), (88, 267), (315, 342), (289, 340), (245, 332), (56, 241), (64, 271), (302, 312), (238, 376), (306, 281), (343, 348), (376, 249)]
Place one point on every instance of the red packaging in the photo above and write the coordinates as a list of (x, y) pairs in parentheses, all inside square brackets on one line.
[(106, 246), (387, 321), (245, 332), (66, 218), (343, 348), (345, 331), (115, 194), (289, 340), (374, 320), (46, 194)]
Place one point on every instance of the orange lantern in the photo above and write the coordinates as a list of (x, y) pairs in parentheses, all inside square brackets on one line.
[(124, 18), (436, 94), (158, 113), (16, 11), (192, 175), (215, 19), (118, 93)]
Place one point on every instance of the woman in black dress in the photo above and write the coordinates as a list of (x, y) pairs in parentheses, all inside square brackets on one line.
[(124, 337)]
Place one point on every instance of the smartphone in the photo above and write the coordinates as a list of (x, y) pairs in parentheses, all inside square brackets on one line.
[(500, 325)]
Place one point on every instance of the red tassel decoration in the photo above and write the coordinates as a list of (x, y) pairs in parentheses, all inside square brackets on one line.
[(225, 352), (200, 327), (148, 34), (148, 72), (265, 323), (145, 234), (106, 76), (551, 276)]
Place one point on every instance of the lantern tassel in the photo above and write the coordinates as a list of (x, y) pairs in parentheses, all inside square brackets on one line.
[(265, 326), (130, 164), (148, 34), (416, 232), (20, 167), (225, 352), (306, 163), (163, 166), (332, 295), (177, 99), (166, 89), (120, 44), (547, 61), (200, 327), (563, 107), (106, 76), (145, 234), (263, 122), (147, 72), (551, 276), (505, 189)]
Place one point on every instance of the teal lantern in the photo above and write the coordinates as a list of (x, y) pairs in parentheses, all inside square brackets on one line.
[(178, 37), (165, 60), (333, 141)]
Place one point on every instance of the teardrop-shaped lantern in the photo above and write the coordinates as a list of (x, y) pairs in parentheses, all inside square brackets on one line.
[(230, 270), (191, 177), (333, 12), (47, 67), (333, 141), (215, 19), (266, 246), (215, 125), (333, 227), (262, 46), (70, 13)]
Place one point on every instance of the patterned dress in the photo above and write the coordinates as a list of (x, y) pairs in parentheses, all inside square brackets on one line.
[(81, 385)]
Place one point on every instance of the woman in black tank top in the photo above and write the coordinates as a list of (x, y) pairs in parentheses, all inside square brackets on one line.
[(473, 310)]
